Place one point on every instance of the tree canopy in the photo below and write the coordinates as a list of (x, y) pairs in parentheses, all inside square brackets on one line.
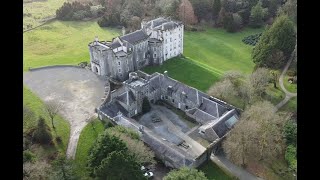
[(185, 173), (275, 44)]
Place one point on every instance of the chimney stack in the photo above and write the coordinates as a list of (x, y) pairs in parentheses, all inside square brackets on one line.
[(123, 30)]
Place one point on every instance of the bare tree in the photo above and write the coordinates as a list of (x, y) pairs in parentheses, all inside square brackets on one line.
[(259, 80), (258, 135), (52, 108), (186, 13), (223, 90), (36, 170)]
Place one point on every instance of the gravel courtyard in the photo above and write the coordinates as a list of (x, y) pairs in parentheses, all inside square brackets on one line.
[(78, 90)]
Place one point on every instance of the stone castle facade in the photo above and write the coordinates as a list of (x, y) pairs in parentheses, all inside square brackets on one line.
[(157, 41)]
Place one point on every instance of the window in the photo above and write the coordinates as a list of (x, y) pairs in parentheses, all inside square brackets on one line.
[(170, 39), (154, 55), (119, 63), (173, 100), (187, 107), (127, 61), (119, 70)]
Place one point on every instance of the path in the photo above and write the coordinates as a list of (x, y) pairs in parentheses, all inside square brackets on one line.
[(239, 172), (289, 95), (78, 90)]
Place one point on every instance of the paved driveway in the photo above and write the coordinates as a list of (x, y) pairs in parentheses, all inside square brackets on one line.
[(79, 90)]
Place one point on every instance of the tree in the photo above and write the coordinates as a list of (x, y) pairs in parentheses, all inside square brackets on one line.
[(256, 17), (36, 170), (228, 22), (119, 165), (290, 132), (221, 17), (273, 8), (274, 78), (41, 134), (291, 157), (259, 80), (201, 8), (185, 173), (52, 108), (216, 8), (257, 136), (290, 9), (63, 169), (29, 118), (145, 105), (103, 146), (186, 13), (136, 147), (275, 45), (171, 9), (223, 90)]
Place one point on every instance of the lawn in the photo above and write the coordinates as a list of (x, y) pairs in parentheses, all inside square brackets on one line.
[(213, 172), (34, 13), (62, 42), (290, 106), (87, 137), (219, 50), (290, 87), (186, 71), (36, 105)]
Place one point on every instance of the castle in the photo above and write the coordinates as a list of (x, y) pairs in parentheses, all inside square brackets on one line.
[(187, 139), (157, 41)]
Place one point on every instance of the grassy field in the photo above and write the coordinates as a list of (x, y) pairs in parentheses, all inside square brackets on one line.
[(219, 50), (87, 137), (34, 13), (36, 105), (213, 172), (186, 71), (62, 43)]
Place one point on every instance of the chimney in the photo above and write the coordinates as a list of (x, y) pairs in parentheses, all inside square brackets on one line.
[(123, 30), (152, 24), (162, 27), (165, 73), (96, 39)]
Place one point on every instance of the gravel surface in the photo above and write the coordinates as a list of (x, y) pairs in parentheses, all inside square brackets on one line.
[(78, 90)]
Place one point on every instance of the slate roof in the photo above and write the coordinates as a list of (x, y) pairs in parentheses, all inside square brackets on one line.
[(157, 22), (135, 36), (114, 45), (204, 117), (168, 25), (212, 107), (123, 97), (221, 127), (113, 108)]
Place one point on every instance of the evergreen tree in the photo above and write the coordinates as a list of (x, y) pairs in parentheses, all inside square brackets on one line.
[(216, 8), (276, 44), (256, 17)]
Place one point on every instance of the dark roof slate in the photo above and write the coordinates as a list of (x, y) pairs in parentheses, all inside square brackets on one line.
[(113, 108), (135, 37)]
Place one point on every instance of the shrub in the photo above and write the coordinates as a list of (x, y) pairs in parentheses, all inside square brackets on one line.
[(97, 11), (291, 72), (252, 39), (59, 139), (291, 157), (28, 156)]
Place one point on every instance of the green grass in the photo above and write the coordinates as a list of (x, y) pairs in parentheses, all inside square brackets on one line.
[(290, 106), (35, 12), (87, 138), (62, 43), (219, 50), (274, 95), (290, 87), (62, 126), (186, 71), (213, 172)]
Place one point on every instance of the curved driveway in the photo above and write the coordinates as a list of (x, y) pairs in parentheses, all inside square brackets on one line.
[(78, 90)]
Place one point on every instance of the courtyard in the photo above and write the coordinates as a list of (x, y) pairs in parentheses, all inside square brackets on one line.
[(77, 90)]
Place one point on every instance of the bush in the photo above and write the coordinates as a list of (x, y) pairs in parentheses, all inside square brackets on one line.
[(59, 139), (252, 39), (290, 132), (97, 11), (28, 156), (291, 72), (291, 157), (73, 11), (42, 135)]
